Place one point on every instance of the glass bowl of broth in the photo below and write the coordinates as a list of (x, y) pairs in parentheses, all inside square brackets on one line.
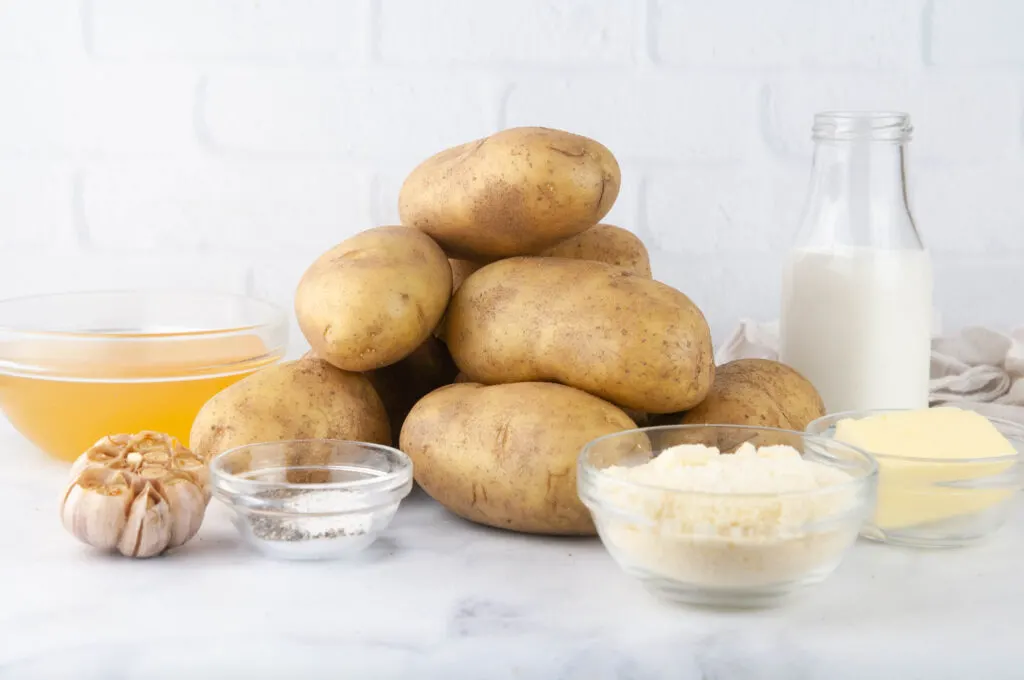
[(76, 367)]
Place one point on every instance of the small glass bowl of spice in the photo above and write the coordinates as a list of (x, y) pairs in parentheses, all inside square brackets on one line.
[(726, 515), (311, 499)]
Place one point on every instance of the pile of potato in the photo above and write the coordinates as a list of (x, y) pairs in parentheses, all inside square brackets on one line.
[(496, 332)]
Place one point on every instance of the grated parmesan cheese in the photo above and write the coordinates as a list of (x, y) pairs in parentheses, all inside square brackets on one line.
[(683, 522)]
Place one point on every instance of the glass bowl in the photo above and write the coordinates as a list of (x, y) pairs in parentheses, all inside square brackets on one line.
[(939, 503), (312, 498), (723, 548), (76, 367)]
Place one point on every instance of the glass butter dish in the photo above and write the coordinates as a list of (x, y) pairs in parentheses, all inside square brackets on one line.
[(311, 499), (939, 502)]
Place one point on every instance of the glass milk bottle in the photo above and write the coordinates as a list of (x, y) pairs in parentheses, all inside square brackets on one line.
[(857, 287)]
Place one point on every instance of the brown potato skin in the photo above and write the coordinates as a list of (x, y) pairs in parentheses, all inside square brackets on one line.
[(461, 269), (374, 298), (505, 455), (757, 392), (601, 243), (402, 384), (639, 417), (513, 193), (304, 399), (606, 243), (635, 342)]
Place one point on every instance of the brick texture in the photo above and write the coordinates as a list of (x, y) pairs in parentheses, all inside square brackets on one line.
[(71, 110), (789, 33), (975, 33), (285, 30), (226, 144), (956, 117), (965, 209), (650, 117), (290, 111), (230, 206), (725, 208), (40, 29), (573, 32), (97, 270), (38, 207)]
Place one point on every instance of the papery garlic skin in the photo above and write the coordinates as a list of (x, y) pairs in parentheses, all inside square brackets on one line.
[(139, 494), (95, 507), (187, 504)]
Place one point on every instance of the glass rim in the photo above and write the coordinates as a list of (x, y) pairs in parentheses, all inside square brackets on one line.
[(871, 125), (383, 482), (589, 471), (273, 316), (831, 419)]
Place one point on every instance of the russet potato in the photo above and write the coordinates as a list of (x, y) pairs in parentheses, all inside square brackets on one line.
[(755, 392), (374, 298), (505, 455), (461, 269), (605, 243), (601, 243), (402, 384), (304, 399), (635, 342), (758, 392), (513, 193)]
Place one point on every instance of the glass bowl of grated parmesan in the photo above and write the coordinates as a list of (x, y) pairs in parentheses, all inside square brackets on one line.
[(726, 515), (311, 499)]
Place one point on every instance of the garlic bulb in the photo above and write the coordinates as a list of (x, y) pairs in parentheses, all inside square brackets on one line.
[(139, 494)]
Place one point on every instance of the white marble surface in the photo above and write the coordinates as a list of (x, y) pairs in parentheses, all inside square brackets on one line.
[(440, 598)]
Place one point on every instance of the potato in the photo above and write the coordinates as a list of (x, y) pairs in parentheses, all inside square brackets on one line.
[(373, 299), (505, 455), (639, 417), (304, 399), (632, 341), (513, 193), (461, 269), (757, 392), (402, 384), (605, 243), (601, 243)]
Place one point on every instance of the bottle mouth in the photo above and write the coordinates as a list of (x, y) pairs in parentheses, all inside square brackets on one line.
[(881, 126)]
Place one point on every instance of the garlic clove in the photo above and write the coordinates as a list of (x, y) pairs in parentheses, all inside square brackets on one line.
[(187, 506), (187, 462), (99, 454), (95, 507), (147, 530)]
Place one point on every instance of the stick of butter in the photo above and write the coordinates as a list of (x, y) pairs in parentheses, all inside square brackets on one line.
[(922, 454)]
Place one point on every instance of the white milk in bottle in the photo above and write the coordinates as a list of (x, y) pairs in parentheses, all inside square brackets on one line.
[(857, 289)]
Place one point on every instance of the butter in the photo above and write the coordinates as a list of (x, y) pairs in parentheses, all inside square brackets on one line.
[(945, 432), (931, 450)]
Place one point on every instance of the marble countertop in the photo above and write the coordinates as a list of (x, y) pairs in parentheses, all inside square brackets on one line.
[(441, 598)]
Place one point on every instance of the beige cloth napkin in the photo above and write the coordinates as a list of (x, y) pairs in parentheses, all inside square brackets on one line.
[(979, 369)]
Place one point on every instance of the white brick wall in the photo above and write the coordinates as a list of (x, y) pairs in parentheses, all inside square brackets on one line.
[(236, 30), (788, 33), (541, 32), (225, 144)]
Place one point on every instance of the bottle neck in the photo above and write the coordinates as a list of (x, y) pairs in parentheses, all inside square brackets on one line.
[(858, 196)]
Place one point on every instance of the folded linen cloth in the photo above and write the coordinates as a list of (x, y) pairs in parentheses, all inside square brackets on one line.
[(979, 369)]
